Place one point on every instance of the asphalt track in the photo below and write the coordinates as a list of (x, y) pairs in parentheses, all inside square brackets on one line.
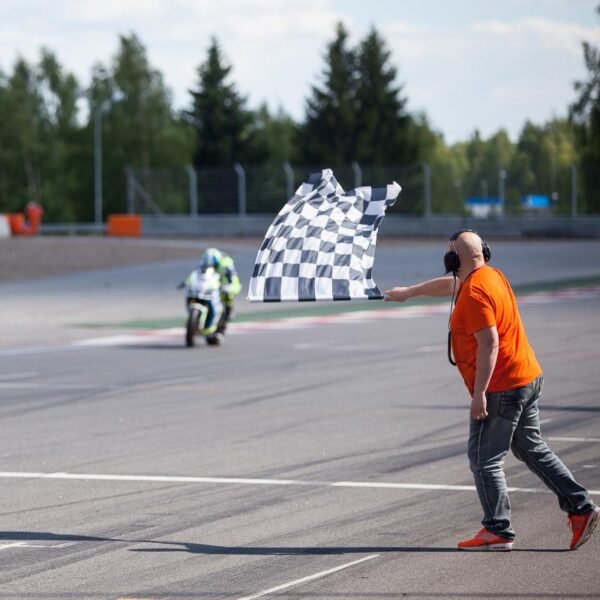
[(314, 456)]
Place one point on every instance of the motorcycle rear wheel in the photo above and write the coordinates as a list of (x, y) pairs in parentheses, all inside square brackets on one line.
[(214, 339)]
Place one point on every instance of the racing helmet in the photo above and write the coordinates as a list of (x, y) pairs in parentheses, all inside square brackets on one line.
[(211, 258)]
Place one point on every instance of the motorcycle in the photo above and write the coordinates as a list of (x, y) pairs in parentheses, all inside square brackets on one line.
[(204, 307)]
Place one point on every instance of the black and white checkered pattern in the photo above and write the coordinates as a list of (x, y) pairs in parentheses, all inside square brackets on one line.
[(321, 246)]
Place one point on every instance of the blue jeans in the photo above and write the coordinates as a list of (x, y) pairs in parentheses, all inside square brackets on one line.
[(513, 422)]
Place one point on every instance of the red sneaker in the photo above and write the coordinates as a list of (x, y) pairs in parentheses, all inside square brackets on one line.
[(582, 527), (486, 540)]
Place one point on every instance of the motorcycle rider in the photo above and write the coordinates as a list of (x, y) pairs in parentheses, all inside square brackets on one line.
[(230, 285)]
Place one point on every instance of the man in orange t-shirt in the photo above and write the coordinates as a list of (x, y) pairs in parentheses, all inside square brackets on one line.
[(486, 300), (492, 353)]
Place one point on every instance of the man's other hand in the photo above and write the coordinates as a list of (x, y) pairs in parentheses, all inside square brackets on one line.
[(479, 407)]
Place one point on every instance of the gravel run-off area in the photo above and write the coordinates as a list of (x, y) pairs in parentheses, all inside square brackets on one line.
[(30, 257)]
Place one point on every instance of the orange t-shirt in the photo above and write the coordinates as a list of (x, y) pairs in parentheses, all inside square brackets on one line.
[(486, 299)]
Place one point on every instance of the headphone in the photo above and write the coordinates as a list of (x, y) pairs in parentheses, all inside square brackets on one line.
[(452, 264), (451, 260)]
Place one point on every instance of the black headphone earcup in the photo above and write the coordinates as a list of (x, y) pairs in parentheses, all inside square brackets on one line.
[(451, 262), (486, 250)]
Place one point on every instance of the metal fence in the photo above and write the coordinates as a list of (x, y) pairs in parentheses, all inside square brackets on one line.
[(264, 189)]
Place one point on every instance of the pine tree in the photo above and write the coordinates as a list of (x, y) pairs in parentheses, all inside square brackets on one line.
[(218, 115), (328, 135), (383, 124), (586, 114)]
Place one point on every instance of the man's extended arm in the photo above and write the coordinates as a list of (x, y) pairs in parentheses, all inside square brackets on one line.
[(440, 286), (487, 353)]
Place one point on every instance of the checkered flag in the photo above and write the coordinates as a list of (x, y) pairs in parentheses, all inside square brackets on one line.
[(321, 246)]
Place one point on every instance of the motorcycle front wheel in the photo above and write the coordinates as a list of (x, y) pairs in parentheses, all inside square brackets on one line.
[(192, 327)]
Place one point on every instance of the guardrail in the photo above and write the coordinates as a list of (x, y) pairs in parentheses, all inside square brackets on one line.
[(392, 226)]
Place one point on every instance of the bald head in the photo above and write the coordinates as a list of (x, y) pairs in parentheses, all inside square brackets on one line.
[(469, 247)]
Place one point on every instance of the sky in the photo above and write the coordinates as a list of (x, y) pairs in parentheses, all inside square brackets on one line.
[(467, 64)]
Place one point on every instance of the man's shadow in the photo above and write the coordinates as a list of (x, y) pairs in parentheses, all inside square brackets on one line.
[(210, 549)]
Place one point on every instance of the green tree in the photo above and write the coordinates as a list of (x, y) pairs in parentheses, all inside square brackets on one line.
[(140, 129), (448, 167), (219, 115), (382, 124), (41, 142), (585, 112), (274, 135), (328, 134), (358, 112), (478, 165), (21, 145), (561, 144), (64, 142)]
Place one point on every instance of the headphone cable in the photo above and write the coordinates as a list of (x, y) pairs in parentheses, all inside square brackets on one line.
[(449, 330)]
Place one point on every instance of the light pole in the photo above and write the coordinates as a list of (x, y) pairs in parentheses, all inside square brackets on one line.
[(427, 188), (501, 180), (573, 190), (117, 96)]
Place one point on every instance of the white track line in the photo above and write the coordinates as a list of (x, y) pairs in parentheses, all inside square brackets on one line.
[(18, 376), (573, 439), (37, 350), (12, 545), (153, 478), (360, 316), (250, 481), (285, 586), (10, 385)]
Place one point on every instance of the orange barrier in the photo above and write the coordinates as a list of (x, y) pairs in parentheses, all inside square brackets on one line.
[(27, 223), (33, 214), (124, 225), (17, 224)]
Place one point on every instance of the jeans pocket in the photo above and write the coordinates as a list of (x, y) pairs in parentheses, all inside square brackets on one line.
[(511, 404)]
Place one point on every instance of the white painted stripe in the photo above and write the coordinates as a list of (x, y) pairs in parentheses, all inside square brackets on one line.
[(11, 545), (27, 545), (251, 481), (18, 376), (573, 439), (402, 486), (544, 421), (285, 586), (10, 385), (423, 486), (154, 478), (436, 348), (360, 316), (37, 350)]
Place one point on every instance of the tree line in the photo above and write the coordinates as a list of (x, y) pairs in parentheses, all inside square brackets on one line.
[(357, 112)]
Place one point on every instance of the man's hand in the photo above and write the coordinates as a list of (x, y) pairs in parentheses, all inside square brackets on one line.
[(397, 294), (440, 286), (487, 353), (479, 407)]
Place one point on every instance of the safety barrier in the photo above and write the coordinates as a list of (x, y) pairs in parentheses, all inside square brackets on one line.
[(392, 226), (4, 226), (124, 225)]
